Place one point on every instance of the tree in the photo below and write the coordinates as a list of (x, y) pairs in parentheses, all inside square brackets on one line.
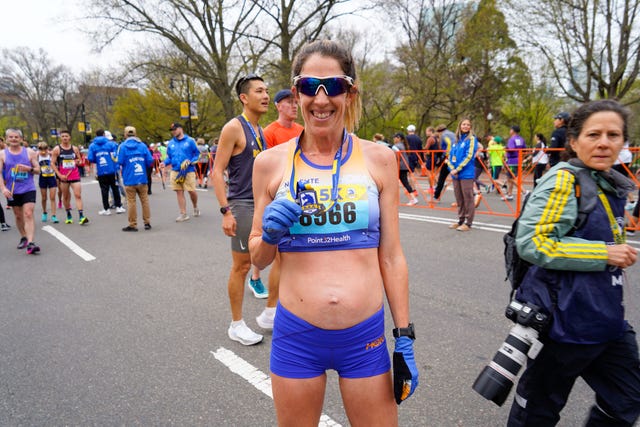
[(490, 67), (426, 57), (36, 82), (297, 21), (210, 35), (151, 111), (592, 47), (217, 41)]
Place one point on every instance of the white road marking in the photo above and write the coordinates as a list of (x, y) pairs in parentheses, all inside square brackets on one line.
[(257, 378), (498, 228), (69, 243)]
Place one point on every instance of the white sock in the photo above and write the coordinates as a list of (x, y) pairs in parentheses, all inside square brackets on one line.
[(236, 323)]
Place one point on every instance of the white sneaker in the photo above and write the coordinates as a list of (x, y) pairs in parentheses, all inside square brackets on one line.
[(104, 212), (243, 334), (196, 212), (182, 218), (265, 320), (120, 210), (413, 201)]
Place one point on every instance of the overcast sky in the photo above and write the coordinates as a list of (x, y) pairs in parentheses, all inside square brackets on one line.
[(52, 25)]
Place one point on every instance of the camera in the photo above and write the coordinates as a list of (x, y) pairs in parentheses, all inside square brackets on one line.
[(496, 379)]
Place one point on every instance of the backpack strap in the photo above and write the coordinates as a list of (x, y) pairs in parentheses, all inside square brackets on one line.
[(586, 192)]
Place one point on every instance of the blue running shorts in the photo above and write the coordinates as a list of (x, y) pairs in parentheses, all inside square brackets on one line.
[(301, 350)]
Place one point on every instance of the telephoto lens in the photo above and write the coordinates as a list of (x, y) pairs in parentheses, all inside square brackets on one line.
[(496, 379)]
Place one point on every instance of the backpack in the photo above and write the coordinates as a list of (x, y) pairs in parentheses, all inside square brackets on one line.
[(587, 194)]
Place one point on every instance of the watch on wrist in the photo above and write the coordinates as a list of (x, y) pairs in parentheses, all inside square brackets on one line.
[(225, 209), (409, 331)]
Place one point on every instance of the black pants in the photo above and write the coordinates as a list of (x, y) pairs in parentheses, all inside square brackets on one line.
[(405, 181), (109, 182), (538, 172), (2, 218), (611, 369), (442, 177), (149, 172)]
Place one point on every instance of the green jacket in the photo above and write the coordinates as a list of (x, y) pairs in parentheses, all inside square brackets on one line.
[(549, 216), (496, 153)]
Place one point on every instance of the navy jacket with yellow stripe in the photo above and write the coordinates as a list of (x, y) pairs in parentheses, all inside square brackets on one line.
[(570, 278)]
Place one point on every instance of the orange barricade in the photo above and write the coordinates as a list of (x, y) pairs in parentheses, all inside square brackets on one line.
[(426, 174)]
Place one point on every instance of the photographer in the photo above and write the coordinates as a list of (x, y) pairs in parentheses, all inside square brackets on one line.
[(578, 279)]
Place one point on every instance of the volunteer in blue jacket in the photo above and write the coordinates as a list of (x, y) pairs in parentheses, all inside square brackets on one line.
[(578, 278), (462, 169), (102, 152), (134, 158), (182, 155)]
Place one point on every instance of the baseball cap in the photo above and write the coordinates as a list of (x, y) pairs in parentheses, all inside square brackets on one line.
[(108, 135), (411, 128), (563, 115), (129, 130), (497, 139), (175, 126), (399, 135), (282, 94)]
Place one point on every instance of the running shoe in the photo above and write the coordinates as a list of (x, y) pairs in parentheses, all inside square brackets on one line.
[(4, 226), (23, 243), (265, 319), (454, 226), (257, 288), (413, 201), (105, 212), (83, 220), (59, 205), (32, 249), (196, 212), (69, 220), (44, 217), (129, 228), (147, 226), (54, 219), (120, 210), (241, 333), (182, 218), (463, 227)]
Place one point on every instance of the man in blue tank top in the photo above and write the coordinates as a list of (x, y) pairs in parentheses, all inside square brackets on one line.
[(240, 142), (18, 165)]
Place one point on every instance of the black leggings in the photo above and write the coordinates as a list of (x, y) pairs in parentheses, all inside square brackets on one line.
[(405, 181), (2, 218)]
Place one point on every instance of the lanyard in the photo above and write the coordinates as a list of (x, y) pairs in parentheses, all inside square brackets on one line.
[(335, 171), (253, 132), (618, 235)]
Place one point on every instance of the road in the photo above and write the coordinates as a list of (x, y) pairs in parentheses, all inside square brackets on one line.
[(137, 335)]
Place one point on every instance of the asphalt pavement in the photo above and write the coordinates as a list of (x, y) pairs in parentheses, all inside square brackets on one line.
[(135, 333)]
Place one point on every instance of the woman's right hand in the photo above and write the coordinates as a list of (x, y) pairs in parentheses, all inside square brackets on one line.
[(622, 255)]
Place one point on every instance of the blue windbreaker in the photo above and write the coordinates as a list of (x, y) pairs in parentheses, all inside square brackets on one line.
[(180, 150), (134, 158), (463, 152), (102, 152)]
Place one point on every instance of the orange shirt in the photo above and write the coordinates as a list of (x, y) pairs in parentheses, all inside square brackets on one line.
[(276, 134)]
